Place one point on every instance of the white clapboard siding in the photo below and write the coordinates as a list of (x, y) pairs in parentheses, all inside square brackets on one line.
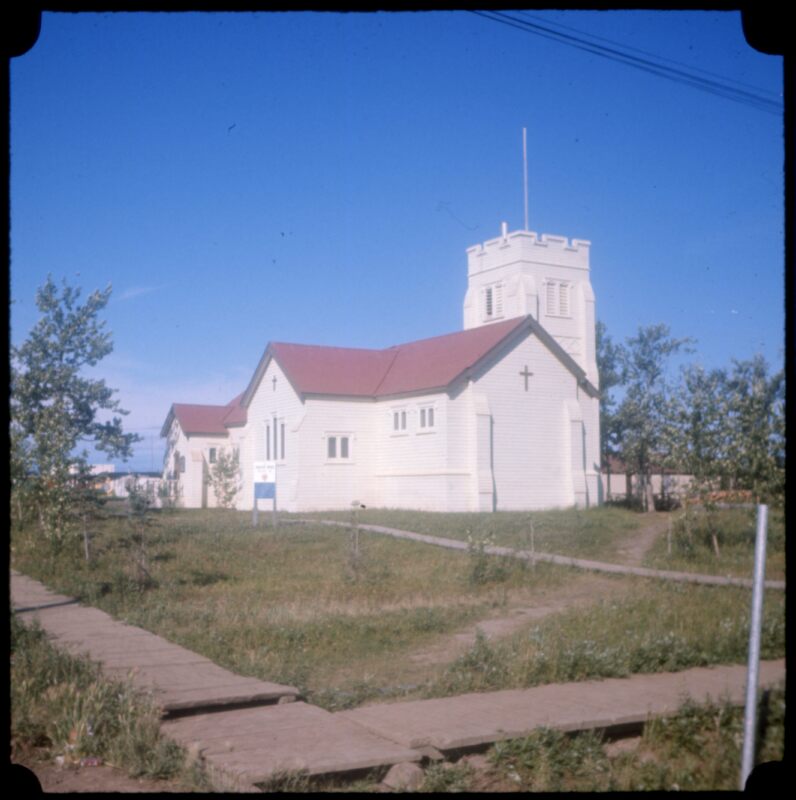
[(272, 400)]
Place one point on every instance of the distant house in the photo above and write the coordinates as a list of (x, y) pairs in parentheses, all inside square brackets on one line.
[(102, 474), (501, 415), (149, 482), (620, 482)]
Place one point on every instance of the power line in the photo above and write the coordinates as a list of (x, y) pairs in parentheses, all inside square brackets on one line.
[(685, 77), (648, 53)]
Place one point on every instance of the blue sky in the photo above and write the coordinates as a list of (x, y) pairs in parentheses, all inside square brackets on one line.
[(316, 178)]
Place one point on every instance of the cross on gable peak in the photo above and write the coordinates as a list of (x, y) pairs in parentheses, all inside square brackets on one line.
[(526, 374)]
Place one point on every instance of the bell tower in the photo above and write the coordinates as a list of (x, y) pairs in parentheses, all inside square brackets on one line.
[(521, 273)]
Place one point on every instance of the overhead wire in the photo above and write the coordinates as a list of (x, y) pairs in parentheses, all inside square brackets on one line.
[(648, 53), (682, 76)]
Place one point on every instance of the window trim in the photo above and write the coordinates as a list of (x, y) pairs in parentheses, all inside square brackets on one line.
[(335, 441), (558, 294), (427, 418), (492, 301), (400, 421)]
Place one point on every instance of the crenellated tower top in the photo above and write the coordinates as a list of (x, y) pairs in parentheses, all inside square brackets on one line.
[(523, 272)]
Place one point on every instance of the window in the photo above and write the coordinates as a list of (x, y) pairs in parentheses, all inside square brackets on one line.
[(211, 455), (399, 420), (557, 298), (182, 464), (338, 447), (426, 418), (267, 442), (492, 305), (282, 439)]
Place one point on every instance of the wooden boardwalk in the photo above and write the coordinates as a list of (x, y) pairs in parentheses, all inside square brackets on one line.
[(277, 733), (567, 561), (177, 678)]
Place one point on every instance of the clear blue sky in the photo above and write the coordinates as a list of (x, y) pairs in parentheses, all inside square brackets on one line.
[(316, 178)]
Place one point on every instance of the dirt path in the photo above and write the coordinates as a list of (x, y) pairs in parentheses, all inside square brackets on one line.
[(92, 779), (636, 546), (580, 591)]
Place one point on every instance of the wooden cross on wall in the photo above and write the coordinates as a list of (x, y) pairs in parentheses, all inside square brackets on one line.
[(525, 374)]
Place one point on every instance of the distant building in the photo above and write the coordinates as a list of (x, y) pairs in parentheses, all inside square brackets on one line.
[(149, 482), (501, 415), (620, 482), (103, 474)]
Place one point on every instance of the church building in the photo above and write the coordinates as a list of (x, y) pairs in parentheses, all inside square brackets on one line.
[(502, 415)]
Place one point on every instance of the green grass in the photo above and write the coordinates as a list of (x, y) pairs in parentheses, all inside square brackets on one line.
[(285, 605), (692, 547), (61, 706), (591, 533), (698, 749), (658, 627)]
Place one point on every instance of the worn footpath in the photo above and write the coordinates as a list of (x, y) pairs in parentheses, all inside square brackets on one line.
[(247, 730)]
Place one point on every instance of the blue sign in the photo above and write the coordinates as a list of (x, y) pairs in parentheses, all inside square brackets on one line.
[(264, 491)]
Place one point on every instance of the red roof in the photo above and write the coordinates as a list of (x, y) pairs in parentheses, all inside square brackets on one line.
[(424, 365), (205, 419), (416, 366)]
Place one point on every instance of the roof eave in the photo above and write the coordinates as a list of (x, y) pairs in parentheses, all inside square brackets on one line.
[(164, 431)]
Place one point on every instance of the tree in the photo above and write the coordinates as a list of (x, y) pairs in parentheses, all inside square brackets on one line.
[(731, 428), (755, 412), (645, 415), (55, 408), (140, 500), (609, 369), (224, 477), (700, 423)]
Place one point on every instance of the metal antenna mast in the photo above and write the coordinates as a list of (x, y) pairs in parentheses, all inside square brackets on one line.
[(525, 172)]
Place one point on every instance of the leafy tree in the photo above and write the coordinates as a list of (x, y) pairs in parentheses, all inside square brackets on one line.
[(224, 477), (731, 428), (700, 422), (609, 368), (55, 409), (755, 411), (646, 412)]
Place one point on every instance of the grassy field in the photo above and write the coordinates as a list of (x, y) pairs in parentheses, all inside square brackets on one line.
[(596, 533), (692, 546), (289, 606)]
